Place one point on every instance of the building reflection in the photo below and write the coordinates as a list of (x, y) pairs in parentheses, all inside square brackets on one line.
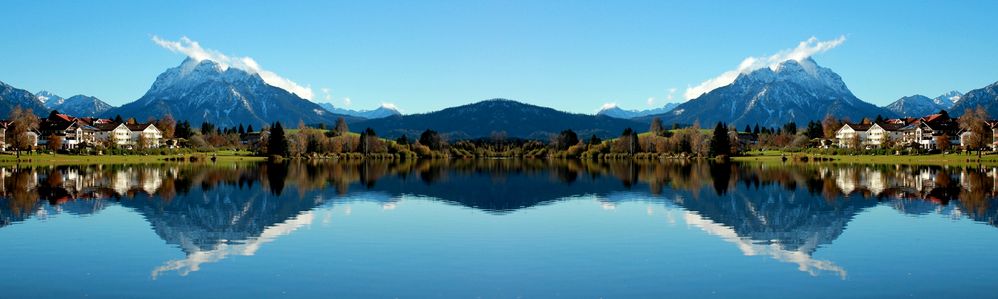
[(785, 212)]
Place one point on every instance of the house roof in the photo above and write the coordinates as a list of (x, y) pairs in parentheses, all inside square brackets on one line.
[(107, 126), (138, 127), (859, 127), (892, 127)]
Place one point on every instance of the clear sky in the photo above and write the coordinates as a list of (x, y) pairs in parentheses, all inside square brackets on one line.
[(569, 55)]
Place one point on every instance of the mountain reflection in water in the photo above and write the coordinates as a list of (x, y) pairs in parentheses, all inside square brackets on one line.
[(783, 212)]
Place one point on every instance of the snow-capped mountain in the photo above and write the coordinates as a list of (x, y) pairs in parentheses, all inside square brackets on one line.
[(915, 106), (206, 91), (381, 112), (81, 106), (48, 98), (11, 97), (948, 99), (986, 97), (617, 112), (798, 91)]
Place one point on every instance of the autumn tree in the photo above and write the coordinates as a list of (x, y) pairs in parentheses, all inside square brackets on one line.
[(942, 142), (54, 142), (830, 125), (341, 127), (656, 127), (167, 125), (431, 139), (22, 123), (974, 122)]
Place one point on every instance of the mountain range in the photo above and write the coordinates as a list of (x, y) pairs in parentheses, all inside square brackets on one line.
[(986, 97), (484, 118), (615, 111), (919, 105), (78, 105), (382, 111), (206, 91), (11, 97), (798, 91)]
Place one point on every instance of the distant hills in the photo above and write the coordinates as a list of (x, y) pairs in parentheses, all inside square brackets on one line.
[(798, 91), (78, 105), (919, 105), (512, 118), (986, 97), (617, 112), (205, 91), (11, 97), (380, 112)]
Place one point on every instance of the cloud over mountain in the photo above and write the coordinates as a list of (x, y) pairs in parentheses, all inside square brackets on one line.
[(194, 50), (803, 50)]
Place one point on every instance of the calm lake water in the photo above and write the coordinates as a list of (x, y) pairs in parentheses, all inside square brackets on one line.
[(498, 228)]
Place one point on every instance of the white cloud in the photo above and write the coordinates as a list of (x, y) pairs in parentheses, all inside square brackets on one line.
[(672, 94), (650, 101), (803, 50), (347, 101), (194, 50), (327, 94)]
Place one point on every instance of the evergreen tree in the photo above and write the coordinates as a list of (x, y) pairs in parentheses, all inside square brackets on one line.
[(249, 129), (720, 144), (278, 143), (594, 140), (879, 119), (748, 129), (118, 119), (241, 129), (404, 140), (756, 129)]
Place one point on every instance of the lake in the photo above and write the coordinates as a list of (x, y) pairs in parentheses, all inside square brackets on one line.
[(498, 228)]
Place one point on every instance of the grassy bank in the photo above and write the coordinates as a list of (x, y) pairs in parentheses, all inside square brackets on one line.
[(934, 159), (62, 159)]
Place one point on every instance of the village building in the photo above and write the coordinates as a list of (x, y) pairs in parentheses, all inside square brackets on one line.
[(850, 133)]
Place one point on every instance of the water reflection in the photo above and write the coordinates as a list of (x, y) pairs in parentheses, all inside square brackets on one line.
[(786, 213)]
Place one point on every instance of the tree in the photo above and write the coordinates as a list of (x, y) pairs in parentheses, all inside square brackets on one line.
[(118, 119), (403, 140), (756, 129), (880, 119), (242, 131), (814, 130), (854, 142), (974, 122), (249, 129), (748, 129), (830, 125), (341, 127), (656, 127), (942, 142), (142, 143), (566, 139), (431, 139), (790, 128), (277, 144), (720, 144), (593, 140), (368, 139), (54, 142), (19, 132), (167, 125)]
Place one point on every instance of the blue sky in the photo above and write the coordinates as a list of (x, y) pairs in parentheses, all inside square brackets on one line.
[(569, 55)]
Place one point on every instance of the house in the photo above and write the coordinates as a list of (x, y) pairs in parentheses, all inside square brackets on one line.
[(879, 133), (924, 131), (848, 132), (113, 134), (147, 133)]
